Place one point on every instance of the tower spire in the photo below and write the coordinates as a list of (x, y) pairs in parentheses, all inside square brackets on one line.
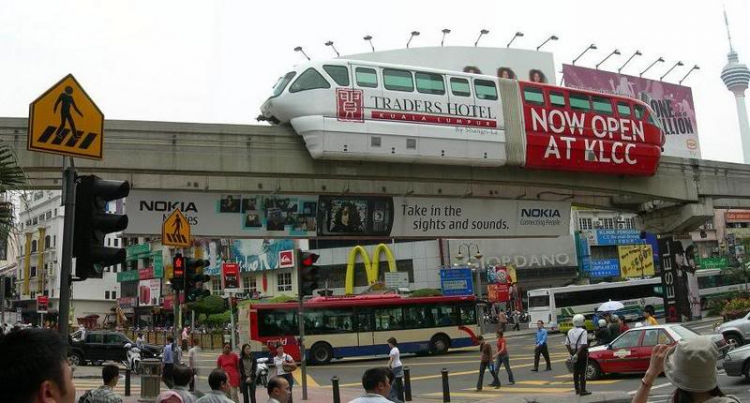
[(729, 34)]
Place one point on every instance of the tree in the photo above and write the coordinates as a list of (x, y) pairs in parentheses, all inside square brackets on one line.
[(212, 304), (739, 272)]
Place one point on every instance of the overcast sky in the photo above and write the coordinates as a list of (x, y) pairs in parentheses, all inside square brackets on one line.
[(215, 61)]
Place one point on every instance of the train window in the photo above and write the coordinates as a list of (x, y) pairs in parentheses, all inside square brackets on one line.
[(282, 83), (557, 99), (533, 95), (623, 108), (366, 77), (485, 90), (309, 80), (339, 74), (428, 83), (639, 112), (398, 80), (460, 87), (602, 105), (579, 102)]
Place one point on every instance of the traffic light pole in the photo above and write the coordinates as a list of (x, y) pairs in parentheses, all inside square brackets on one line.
[(301, 321), (66, 266)]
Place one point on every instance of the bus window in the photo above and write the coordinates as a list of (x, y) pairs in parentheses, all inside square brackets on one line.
[(398, 80), (282, 83), (557, 99), (389, 319), (533, 96), (339, 74), (468, 315), (367, 78), (485, 90), (639, 112), (579, 102), (460, 87), (539, 301), (273, 322), (428, 83), (623, 108), (309, 80), (602, 105), (329, 321), (652, 120)]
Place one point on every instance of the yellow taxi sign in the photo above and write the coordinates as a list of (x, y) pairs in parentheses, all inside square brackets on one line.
[(64, 120), (176, 231)]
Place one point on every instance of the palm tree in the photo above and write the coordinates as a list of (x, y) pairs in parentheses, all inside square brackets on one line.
[(12, 178)]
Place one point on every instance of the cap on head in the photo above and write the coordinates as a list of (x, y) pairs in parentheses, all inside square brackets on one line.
[(691, 364), (579, 320), (602, 323)]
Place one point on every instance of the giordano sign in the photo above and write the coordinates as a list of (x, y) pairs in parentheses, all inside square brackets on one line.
[(372, 266)]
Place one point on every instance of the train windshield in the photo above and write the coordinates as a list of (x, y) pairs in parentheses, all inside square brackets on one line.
[(282, 83)]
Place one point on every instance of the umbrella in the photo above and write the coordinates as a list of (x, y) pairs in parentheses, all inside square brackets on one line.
[(610, 306)]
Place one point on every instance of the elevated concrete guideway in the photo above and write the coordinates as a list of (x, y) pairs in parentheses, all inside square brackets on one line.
[(269, 159)]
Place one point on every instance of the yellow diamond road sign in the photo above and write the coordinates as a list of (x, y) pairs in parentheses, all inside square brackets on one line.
[(176, 231), (64, 120)]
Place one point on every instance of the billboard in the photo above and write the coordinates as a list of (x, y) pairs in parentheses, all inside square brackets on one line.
[(523, 253), (520, 64), (456, 281), (294, 216), (149, 292), (636, 261), (672, 103)]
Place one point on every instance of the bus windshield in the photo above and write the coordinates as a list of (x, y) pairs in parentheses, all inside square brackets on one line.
[(282, 83)]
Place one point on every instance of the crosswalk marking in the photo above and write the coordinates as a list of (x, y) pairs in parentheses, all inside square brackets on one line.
[(177, 238), (51, 132)]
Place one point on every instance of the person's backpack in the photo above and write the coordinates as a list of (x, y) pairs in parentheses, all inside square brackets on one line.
[(86, 398)]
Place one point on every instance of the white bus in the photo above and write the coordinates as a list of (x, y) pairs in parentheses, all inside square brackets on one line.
[(556, 305), (715, 283)]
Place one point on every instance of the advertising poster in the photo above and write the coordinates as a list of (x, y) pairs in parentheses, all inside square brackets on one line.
[(636, 261), (261, 254), (523, 253), (230, 275), (672, 103), (498, 292), (599, 268), (149, 292)]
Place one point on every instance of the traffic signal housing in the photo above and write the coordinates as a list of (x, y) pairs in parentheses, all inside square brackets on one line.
[(194, 279), (178, 272), (308, 272), (93, 223)]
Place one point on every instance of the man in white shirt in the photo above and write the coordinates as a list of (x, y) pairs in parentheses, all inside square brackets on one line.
[(377, 384), (577, 344), (279, 390)]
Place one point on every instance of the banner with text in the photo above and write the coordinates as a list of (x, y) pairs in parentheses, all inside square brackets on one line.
[(636, 261), (293, 216)]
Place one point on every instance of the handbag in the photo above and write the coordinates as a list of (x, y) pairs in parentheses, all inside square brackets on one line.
[(570, 363)]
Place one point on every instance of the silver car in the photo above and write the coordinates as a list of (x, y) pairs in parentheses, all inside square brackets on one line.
[(737, 362)]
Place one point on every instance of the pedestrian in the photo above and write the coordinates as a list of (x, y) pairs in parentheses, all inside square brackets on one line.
[(248, 368), (140, 341), (577, 345), (394, 363), (623, 325), (602, 333), (377, 384), (106, 393), (279, 390), (167, 362), (502, 320), (516, 320), (193, 354), (614, 326), (690, 366), (501, 357), (485, 359), (219, 383), (285, 365), (185, 335), (182, 376), (230, 363), (648, 313), (169, 396), (540, 348)]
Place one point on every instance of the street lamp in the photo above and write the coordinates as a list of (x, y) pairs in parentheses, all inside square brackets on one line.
[(517, 34), (368, 38), (637, 53), (592, 46), (482, 32), (695, 67), (413, 34), (446, 31), (299, 49), (330, 43), (614, 52), (659, 60), (551, 38), (670, 70), (478, 256)]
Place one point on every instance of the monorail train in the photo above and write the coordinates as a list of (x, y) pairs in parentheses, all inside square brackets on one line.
[(357, 110)]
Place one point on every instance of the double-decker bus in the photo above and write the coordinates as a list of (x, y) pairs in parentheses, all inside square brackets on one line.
[(351, 326), (556, 305)]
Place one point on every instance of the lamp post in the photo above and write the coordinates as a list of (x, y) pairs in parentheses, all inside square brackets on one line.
[(446, 31), (659, 60), (614, 52), (670, 70), (592, 46), (368, 38), (637, 53), (551, 38), (516, 35), (478, 256), (695, 67), (330, 43), (481, 33), (413, 34), (299, 49)]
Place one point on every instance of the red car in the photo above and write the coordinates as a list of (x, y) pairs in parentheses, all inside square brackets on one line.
[(631, 351)]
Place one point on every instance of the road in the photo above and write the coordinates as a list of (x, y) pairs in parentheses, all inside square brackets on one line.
[(463, 366)]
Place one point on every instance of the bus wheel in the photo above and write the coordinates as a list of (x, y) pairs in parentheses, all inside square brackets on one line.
[(439, 344), (321, 353)]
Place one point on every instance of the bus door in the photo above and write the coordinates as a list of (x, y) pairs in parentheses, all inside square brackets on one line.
[(365, 327)]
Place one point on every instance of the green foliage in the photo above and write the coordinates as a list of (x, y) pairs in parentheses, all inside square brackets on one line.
[(715, 306), (736, 306), (426, 292), (282, 298), (212, 304), (219, 319)]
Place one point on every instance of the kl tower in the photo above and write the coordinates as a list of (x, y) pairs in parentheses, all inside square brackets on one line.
[(736, 77)]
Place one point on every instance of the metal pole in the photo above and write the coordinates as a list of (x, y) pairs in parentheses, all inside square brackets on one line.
[(446, 387), (127, 381), (66, 266), (301, 320), (231, 318), (176, 311), (336, 393), (407, 384)]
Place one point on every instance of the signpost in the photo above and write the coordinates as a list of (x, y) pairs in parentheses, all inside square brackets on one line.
[(42, 304), (396, 279), (456, 281), (176, 231)]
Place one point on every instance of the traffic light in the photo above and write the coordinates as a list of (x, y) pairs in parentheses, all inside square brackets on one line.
[(308, 272), (194, 279), (92, 223), (178, 272)]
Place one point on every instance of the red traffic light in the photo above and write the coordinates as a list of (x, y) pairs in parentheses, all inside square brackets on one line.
[(178, 266), (309, 259)]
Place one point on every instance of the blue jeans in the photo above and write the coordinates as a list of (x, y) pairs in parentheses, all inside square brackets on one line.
[(504, 359)]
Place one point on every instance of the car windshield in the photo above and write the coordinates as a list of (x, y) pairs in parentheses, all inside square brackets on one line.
[(684, 332)]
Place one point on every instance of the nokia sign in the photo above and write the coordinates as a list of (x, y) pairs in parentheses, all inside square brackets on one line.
[(167, 206), (540, 213)]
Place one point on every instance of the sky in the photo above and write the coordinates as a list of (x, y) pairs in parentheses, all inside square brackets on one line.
[(216, 61)]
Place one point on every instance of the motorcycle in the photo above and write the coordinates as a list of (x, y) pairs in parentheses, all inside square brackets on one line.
[(133, 358), (261, 373)]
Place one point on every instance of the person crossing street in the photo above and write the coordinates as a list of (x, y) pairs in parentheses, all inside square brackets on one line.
[(541, 347), (501, 357), (485, 359)]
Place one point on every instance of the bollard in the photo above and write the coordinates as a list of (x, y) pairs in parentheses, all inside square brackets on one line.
[(127, 381), (336, 393), (446, 388), (407, 384)]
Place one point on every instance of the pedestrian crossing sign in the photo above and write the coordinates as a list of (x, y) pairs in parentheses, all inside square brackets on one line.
[(176, 231), (64, 120)]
